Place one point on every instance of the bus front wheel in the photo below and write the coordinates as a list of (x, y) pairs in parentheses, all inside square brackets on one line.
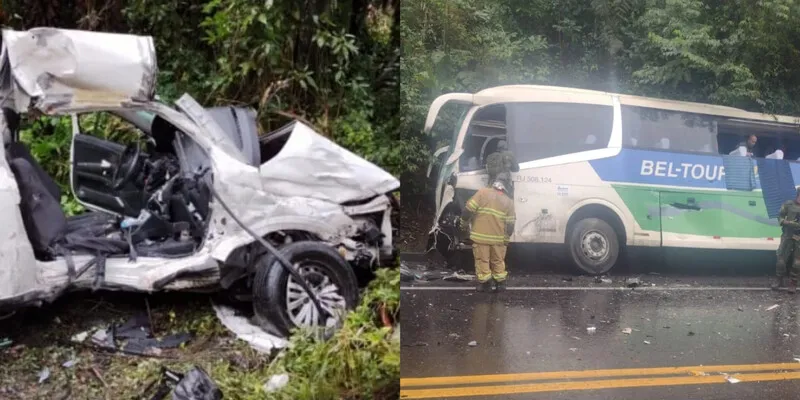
[(593, 246)]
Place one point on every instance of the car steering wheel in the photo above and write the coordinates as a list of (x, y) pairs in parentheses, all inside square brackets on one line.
[(128, 166)]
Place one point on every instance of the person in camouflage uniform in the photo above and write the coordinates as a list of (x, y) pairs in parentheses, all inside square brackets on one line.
[(491, 212), (501, 161), (789, 248)]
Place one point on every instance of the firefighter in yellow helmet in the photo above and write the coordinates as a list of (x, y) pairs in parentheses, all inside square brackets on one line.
[(491, 212)]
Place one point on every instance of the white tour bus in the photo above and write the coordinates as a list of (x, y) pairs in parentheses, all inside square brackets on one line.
[(602, 171)]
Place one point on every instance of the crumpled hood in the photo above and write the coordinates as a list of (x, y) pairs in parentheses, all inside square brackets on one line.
[(64, 68), (310, 165)]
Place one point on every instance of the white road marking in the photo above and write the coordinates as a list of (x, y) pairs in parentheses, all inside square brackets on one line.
[(552, 288)]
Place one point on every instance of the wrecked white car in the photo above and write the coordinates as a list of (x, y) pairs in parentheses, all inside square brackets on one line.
[(199, 203)]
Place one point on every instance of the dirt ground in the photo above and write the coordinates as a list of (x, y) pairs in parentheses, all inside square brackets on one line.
[(41, 338)]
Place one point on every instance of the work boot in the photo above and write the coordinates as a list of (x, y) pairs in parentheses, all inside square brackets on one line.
[(484, 286), (501, 286), (793, 286), (777, 283)]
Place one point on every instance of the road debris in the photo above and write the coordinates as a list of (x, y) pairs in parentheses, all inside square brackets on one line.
[(5, 342), (196, 385), (732, 379), (591, 329), (573, 349), (454, 335), (132, 337), (690, 333), (772, 307), (698, 373), (627, 331), (633, 282), (258, 338), (44, 374), (70, 363), (99, 376), (740, 308), (646, 342), (80, 337), (276, 382), (472, 343)]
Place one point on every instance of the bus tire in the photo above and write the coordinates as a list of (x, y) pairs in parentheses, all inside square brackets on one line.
[(593, 246)]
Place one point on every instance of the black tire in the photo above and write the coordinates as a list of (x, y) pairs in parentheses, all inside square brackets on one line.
[(593, 246), (270, 285)]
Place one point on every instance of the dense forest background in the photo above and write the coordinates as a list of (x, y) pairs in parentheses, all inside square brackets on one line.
[(740, 53), (332, 63)]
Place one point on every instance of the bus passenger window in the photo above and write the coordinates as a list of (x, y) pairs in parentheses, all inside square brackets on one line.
[(656, 129), (542, 130)]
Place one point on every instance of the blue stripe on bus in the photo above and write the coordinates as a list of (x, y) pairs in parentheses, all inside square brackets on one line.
[(671, 169), (662, 168)]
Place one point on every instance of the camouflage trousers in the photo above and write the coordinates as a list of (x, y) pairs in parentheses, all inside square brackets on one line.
[(788, 258)]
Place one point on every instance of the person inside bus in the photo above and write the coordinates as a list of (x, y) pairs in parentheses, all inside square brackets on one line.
[(501, 161), (745, 149)]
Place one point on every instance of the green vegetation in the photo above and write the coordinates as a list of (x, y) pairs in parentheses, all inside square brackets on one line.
[(737, 53), (332, 64)]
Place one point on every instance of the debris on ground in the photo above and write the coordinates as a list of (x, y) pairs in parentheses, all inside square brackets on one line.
[(646, 342), (258, 338), (408, 274), (732, 379), (459, 276), (573, 349), (566, 278), (194, 385), (80, 337), (772, 307), (70, 363), (5, 342), (698, 373), (603, 279), (633, 282), (454, 335), (44, 374), (740, 308), (690, 333), (627, 331), (591, 329), (276, 382), (134, 337), (472, 343)]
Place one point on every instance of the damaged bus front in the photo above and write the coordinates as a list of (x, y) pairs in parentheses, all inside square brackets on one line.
[(197, 201)]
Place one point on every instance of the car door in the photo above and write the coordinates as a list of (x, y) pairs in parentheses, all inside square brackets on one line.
[(94, 159)]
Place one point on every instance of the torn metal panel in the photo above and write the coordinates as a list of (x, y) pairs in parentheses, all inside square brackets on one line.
[(211, 128), (63, 68), (310, 165)]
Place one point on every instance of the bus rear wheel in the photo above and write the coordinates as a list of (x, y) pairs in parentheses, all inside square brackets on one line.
[(593, 246)]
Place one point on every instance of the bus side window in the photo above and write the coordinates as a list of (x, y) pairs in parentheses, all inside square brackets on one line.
[(656, 129), (542, 130)]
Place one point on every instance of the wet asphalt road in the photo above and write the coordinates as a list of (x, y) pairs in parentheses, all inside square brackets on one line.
[(540, 325)]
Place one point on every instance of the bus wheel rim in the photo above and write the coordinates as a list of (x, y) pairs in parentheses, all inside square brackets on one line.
[(594, 245)]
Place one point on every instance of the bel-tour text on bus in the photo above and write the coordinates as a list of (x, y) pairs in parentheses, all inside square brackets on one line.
[(670, 169)]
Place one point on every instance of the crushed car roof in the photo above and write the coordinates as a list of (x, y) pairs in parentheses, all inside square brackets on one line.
[(62, 68)]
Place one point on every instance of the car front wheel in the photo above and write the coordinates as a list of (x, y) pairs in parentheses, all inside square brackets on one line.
[(280, 302)]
